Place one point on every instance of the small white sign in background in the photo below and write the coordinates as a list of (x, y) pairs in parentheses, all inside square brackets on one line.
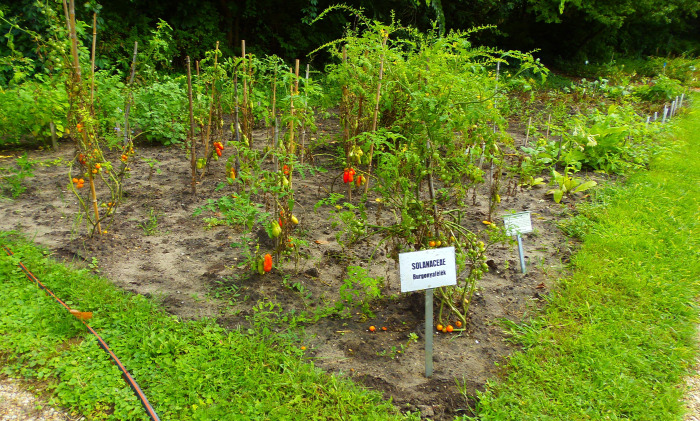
[(427, 269), (518, 223)]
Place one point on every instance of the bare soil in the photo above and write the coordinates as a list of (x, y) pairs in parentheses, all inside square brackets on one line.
[(193, 271)]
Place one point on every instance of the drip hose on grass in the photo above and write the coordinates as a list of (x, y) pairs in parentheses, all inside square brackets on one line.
[(127, 377)]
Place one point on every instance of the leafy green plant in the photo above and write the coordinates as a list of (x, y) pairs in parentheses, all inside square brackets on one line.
[(566, 185), (395, 351), (28, 109), (160, 111), (659, 89), (150, 226), (11, 178), (358, 289)]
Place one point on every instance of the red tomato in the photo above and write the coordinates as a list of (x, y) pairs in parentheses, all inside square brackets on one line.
[(267, 263)]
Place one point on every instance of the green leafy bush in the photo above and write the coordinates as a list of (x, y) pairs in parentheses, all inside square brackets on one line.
[(160, 111), (27, 110)]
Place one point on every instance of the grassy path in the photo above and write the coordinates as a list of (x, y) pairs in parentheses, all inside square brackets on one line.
[(619, 336)]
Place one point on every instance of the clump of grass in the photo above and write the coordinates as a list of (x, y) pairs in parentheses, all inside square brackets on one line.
[(617, 337)]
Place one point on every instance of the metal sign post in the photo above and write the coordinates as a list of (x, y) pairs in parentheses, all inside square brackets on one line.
[(428, 269), (518, 224), (428, 332), (521, 253)]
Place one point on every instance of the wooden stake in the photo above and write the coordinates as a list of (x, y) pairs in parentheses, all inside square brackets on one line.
[(54, 141), (73, 40), (211, 108), (193, 156), (92, 68), (245, 94), (291, 146), (306, 106), (127, 108), (273, 139), (376, 111), (527, 133), (345, 116)]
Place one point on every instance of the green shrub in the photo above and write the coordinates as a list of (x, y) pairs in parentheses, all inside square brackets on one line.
[(27, 110), (160, 111)]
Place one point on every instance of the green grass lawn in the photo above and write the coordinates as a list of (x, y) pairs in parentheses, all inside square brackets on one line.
[(618, 336), (187, 369)]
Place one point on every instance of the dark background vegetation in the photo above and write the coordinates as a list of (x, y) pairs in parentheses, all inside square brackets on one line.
[(563, 31)]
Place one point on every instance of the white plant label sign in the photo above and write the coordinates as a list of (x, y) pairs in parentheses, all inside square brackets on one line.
[(427, 269), (518, 223)]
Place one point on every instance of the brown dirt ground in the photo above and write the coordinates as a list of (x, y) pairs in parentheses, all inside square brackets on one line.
[(189, 268)]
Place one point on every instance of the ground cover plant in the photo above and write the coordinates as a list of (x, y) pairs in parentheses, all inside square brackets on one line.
[(267, 197)]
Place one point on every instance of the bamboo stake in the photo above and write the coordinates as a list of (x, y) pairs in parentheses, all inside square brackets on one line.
[(193, 156), (245, 94), (527, 133), (77, 80), (291, 149), (346, 118), (306, 106), (54, 140), (73, 39), (92, 68), (211, 109), (236, 118), (376, 111), (127, 108), (274, 110)]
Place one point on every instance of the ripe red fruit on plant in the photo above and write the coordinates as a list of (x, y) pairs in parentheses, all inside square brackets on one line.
[(267, 263), (218, 152), (285, 169), (346, 176)]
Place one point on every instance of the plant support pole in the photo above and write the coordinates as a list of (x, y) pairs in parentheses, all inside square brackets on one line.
[(193, 156), (376, 111), (521, 253), (128, 102), (92, 67), (428, 332)]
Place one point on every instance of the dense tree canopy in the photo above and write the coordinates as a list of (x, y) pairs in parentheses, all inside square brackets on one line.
[(560, 29)]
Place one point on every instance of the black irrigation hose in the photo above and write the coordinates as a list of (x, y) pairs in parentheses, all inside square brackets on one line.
[(125, 374)]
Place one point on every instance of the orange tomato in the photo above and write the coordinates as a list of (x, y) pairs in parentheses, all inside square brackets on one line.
[(75, 180), (372, 328), (439, 327), (458, 323), (432, 244), (449, 328), (98, 165)]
